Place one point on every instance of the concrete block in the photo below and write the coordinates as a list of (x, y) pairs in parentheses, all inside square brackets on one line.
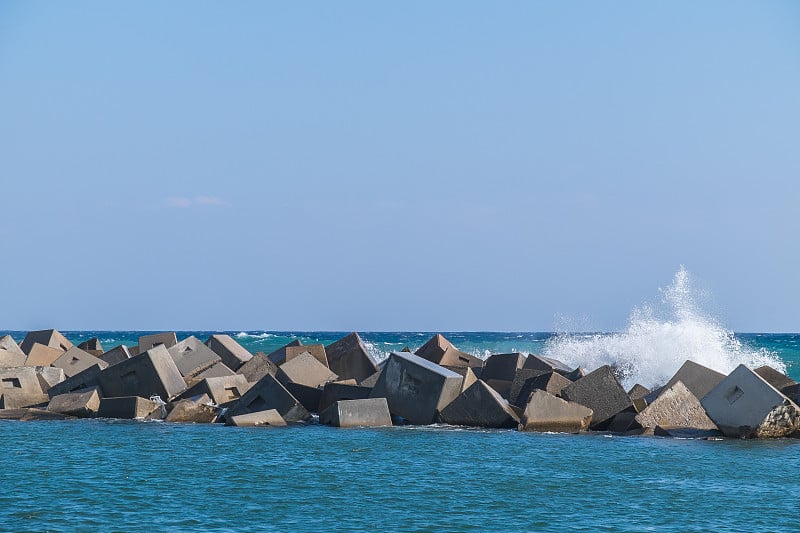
[(305, 369), (267, 394), (623, 422), (697, 378), (92, 346), (74, 361), (190, 411), (147, 374), (372, 412), (9, 359), (601, 392), (290, 351), (467, 373), (785, 385), (415, 388), (501, 386), (83, 404), (8, 344), (638, 391), (744, 405), (685, 433), (16, 399), (441, 351), (21, 379), (520, 377), (333, 392), (168, 339), (479, 406), (131, 407), (371, 380), (676, 407), (502, 366), (348, 358), (47, 337), (117, 355), (89, 378), (575, 375), (41, 355), (232, 353), (309, 397), (257, 367), (267, 418), (223, 391), (546, 364), (27, 414), (217, 370), (49, 376), (545, 412), (192, 357), (551, 382)]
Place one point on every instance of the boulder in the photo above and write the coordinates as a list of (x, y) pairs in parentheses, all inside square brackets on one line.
[(305, 369), (348, 358), (131, 407), (290, 351), (168, 339), (152, 373), (223, 391), (193, 358), (84, 404), (786, 385), (92, 346), (551, 382), (545, 412), (15, 399), (257, 367), (75, 361), (233, 354), (415, 388), (267, 394), (20, 379), (676, 407), (190, 411), (116, 355), (371, 412), (269, 417), (479, 406), (744, 405), (601, 392), (334, 392), (41, 355), (47, 337), (441, 351), (87, 379)]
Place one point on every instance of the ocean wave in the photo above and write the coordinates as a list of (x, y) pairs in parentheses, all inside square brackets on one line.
[(245, 335)]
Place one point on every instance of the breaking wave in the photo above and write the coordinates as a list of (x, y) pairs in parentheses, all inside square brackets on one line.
[(245, 335), (659, 338)]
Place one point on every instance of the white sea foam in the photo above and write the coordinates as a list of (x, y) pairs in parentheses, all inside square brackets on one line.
[(245, 335), (659, 338)]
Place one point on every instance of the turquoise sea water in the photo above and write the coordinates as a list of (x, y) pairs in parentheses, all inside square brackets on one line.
[(98, 475)]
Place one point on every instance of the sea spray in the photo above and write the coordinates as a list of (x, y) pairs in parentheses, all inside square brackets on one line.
[(659, 338)]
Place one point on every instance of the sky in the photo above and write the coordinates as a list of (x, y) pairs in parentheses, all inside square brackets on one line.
[(432, 166)]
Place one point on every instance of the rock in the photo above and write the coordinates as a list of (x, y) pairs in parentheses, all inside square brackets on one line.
[(334, 392), (502, 366), (372, 412), (415, 388), (348, 358), (697, 378), (223, 391), (441, 351), (270, 417), (116, 355), (152, 373), (305, 369), (545, 364), (545, 412), (190, 411), (41, 355), (193, 358), (92, 346), (744, 405), (785, 385), (84, 404), (601, 392), (676, 407), (551, 382), (267, 394), (15, 399), (131, 407), (290, 351), (168, 339), (87, 379), (46, 337), (233, 354), (479, 406), (75, 361), (257, 367), (20, 379)]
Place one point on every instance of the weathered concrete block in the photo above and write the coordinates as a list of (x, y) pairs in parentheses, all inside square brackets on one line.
[(292, 350), (190, 411), (16, 399), (551, 382), (685, 433), (333, 392), (117, 355), (480, 406), (150, 373), (87, 379), (217, 370), (49, 377), (305, 369), (267, 394), (348, 358), (676, 407), (371, 380), (168, 339), (623, 422), (10, 354), (74, 361), (638, 391), (41, 355), (26, 414), (83, 404), (371, 412), (192, 357), (467, 373), (309, 397), (601, 392), (575, 375), (47, 337), (131, 407), (546, 364), (21, 378), (521, 376), (502, 366), (269, 417), (441, 351), (697, 378), (415, 388), (8, 344), (223, 391), (545, 412), (232, 353), (92, 346), (257, 367), (785, 385), (501, 386), (744, 405)]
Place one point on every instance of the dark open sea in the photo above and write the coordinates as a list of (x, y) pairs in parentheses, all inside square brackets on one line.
[(100, 475)]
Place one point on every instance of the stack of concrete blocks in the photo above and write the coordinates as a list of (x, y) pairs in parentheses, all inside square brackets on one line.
[(601, 392), (500, 370), (196, 361)]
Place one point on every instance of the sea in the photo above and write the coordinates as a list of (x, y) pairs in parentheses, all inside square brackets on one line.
[(112, 475)]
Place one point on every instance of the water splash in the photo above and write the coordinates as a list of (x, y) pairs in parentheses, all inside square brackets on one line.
[(659, 338)]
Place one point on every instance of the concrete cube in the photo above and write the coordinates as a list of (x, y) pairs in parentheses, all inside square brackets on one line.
[(309, 397), (89, 378), (223, 391), (305, 369), (217, 370), (466, 372), (441, 351), (744, 405), (47, 337), (26, 414), (546, 364), (131, 407), (83, 404), (147, 374), (190, 411), (267, 418), (232, 353), (9, 359), (49, 377), (520, 377), (168, 339), (371, 412), (116, 355), (697, 378), (22, 379), (8, 344), (290, 351), (371, 380), (502, 366), (786, 385), (192, 357), (676, 407), (257, 367), (267, 394), (479, 406), (415, 388), (348, 358), (601, 392), (551, 382), (75, 361), (545, 412), (41, 355), (333, 392), (92, 346), (16, 399), (638, 391)]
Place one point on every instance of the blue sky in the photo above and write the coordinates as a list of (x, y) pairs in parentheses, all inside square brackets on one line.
[(375, 166)]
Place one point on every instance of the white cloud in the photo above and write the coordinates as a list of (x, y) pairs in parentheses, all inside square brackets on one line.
[(184, 202)]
